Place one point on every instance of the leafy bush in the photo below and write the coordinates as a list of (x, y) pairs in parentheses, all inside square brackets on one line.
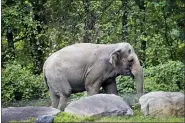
[(126, 89), (77, 96), (163, 77), (125, 85), (18, 83)]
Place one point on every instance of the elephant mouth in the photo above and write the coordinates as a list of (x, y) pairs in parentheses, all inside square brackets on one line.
[(127, 72)]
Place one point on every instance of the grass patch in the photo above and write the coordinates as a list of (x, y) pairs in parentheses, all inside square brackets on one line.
[(138, 117), (65, 117)]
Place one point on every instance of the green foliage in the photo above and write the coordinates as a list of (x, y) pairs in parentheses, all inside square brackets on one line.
[(77, 96), (125, 84), (26, 21), (18, 83), (62, 23), (126, 89), (164, 77)]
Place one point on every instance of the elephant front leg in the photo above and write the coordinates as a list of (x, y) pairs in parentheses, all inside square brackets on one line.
[(110, 87), (93, 89)]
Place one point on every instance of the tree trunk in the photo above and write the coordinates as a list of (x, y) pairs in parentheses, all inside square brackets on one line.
[(37, 55), (11, 48), (90, 21), (141, 4), (166, 33), (3, 54), (124, 20)]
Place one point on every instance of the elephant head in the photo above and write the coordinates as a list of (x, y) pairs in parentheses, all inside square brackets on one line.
[(126, 62)]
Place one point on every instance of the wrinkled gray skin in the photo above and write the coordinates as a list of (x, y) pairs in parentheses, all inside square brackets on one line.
[(89, 67)]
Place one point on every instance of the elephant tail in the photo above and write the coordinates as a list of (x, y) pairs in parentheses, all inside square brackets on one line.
[(45, 80)]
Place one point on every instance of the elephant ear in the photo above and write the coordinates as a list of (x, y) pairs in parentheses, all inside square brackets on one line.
[(115, 57)]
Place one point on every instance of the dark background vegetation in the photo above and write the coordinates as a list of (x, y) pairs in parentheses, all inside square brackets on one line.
[(34, 29)]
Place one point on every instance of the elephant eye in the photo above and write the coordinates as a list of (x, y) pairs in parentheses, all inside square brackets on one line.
[(129, 51), (123, 60), (131, 60)]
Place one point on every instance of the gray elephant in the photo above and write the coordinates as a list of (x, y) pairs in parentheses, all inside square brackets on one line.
[(86, 66)]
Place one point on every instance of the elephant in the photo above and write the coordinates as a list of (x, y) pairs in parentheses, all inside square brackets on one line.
[(88, 67)]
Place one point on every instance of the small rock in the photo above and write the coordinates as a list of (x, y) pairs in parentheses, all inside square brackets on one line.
[(100, 105), (45, 119), (162, 104)]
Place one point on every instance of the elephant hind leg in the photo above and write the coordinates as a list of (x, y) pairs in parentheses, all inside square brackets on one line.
[(54, 99), (62, 102), (63, 90)]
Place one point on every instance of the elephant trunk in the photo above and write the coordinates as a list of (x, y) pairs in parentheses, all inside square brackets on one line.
[(137, 71)]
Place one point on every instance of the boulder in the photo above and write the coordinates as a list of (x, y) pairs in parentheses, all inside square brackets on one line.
[(24, 113), (99, 105), (162, 104)]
